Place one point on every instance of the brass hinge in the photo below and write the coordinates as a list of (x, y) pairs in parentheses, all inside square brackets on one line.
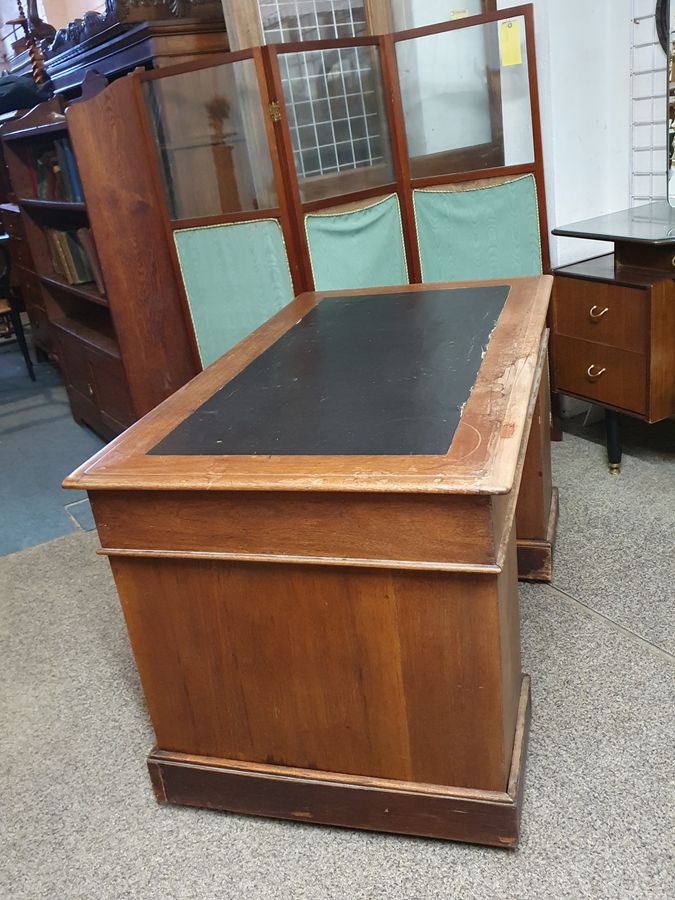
[(274, 111)]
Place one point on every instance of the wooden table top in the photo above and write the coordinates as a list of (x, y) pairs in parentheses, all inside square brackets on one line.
[(418, 388)]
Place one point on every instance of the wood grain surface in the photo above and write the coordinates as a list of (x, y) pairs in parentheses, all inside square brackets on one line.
[(302, 795), (406, 675)]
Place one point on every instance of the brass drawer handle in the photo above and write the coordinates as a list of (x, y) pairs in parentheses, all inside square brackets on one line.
[(596, 316), (593, 376)]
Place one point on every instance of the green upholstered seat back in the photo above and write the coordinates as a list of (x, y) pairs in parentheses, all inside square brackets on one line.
[(236, 277), (357, 248), (486, 229)]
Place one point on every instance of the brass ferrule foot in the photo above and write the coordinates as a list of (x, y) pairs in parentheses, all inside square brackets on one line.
[(614, 468)]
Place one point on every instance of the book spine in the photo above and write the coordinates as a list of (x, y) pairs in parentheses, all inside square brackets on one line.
[(56, 263), (65, 188), (73, 177), (78, 259), (58, 259), (86, 240), (41, 175), (64, 252)]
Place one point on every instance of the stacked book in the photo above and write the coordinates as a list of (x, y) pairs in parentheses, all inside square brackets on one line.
[(74, 256), (54, 173)]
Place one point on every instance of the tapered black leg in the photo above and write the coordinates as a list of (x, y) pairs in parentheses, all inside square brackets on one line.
[(613, 426), (17, 327)]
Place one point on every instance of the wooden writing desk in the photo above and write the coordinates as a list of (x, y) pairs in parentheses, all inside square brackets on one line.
[(315, 551)]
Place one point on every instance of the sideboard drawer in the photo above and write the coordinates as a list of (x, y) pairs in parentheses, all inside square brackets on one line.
[(603, 313), (601, 374)]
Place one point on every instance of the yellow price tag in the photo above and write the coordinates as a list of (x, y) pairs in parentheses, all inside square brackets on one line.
[(509, 43), (459, 14)]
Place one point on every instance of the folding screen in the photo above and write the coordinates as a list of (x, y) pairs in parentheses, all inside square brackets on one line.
[(406, 120), (365, 161)]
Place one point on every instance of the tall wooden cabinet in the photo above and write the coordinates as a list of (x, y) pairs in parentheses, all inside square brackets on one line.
[(121, 348), (119, 359)]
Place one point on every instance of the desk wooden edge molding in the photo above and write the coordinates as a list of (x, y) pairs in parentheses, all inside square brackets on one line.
[(350, 801), (123, 467)]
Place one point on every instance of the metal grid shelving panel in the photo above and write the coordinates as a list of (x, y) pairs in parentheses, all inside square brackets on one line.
[(648, 107)]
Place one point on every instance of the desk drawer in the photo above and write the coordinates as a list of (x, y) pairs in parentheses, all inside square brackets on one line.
[(579, 312), (623, 382)]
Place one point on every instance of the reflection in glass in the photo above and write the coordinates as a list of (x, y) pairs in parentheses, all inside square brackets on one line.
[(418, 13), (336, 119), (290, 21), (211, 141), (466, 98)]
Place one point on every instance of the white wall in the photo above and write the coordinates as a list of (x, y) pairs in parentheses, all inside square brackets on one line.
[(583, 64)]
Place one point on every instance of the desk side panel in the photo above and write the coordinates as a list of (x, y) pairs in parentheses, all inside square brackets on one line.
[(389, 674)]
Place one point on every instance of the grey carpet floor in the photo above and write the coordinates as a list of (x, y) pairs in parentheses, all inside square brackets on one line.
[(40, 443), (78, 818)]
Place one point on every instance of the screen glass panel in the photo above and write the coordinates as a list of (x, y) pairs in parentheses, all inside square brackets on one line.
[(210, 139), (337, 121), (466, 98)]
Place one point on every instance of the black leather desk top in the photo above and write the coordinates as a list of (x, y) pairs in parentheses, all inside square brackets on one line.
[(373, 375)]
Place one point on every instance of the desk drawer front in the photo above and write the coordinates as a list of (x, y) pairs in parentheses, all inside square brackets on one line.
[(602, 374), (602, 313)]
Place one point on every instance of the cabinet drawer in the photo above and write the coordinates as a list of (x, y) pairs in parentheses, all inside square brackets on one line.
[(39, 325), (74, 361), (623, 382), (29, 285), (21, 255), (111, 390), (98, 379), (603, 313)]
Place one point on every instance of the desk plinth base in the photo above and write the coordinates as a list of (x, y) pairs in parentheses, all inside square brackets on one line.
[(535, 558), (350, 801)]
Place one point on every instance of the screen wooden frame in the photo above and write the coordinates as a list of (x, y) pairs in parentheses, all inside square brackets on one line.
[(291, 209)]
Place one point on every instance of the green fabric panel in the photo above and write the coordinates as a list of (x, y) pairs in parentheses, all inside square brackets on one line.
[(487, 232), (358, 249), (236, 277)]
